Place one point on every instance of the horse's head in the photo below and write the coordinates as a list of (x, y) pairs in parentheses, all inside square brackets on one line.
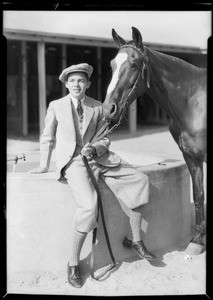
[(130, 75)]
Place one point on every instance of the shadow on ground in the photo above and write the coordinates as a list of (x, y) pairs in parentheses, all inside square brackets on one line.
[(158, 263)]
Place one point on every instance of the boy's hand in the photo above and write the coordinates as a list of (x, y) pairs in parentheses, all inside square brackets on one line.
[(88, 149), (38, 170)]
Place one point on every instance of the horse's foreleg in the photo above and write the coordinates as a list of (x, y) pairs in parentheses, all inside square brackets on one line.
[(195, 167)]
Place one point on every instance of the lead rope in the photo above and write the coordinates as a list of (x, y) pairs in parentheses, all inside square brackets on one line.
[(103, 132), (100, 208)]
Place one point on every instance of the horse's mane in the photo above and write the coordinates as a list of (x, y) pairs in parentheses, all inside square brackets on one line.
[(171, 63), (166, 61)]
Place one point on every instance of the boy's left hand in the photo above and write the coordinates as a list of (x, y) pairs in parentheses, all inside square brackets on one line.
[(88, 149)]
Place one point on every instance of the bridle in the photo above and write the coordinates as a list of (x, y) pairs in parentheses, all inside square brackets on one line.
[(144, 65), (105, 131), (144, 68)]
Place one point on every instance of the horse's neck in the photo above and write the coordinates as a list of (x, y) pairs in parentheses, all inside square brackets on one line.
[(166, 73)]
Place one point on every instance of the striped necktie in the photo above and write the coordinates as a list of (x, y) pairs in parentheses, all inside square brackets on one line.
[(79, 109)]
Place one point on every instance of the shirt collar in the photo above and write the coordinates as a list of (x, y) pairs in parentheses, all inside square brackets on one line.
[(75, 101)]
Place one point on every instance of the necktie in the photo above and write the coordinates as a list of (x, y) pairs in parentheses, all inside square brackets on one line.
[(79, 109)]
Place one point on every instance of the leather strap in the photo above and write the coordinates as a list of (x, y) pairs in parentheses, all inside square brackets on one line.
[(103, 132), (100, 208)]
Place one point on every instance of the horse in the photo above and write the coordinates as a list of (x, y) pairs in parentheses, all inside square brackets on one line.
[(179, 88)]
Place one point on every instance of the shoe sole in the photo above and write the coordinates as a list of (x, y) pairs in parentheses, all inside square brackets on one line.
[(143, 257), (76, 286)]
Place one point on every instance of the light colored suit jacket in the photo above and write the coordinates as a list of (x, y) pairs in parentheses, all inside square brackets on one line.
[(60, 133)]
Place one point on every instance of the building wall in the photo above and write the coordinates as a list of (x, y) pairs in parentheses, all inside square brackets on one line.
[(57, 57), (14, 107)]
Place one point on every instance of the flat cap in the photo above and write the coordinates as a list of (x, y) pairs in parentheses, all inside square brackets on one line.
[(84, 67)]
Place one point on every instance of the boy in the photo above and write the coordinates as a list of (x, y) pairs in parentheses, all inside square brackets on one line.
[(70, 124)]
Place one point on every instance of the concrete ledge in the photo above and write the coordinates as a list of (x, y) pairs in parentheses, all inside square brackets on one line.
[(40, 212)]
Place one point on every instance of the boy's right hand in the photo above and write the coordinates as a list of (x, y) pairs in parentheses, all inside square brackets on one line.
[(38, 170)]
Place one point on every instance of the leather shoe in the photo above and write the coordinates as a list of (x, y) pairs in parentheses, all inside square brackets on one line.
[(139, 248), (74, 277)]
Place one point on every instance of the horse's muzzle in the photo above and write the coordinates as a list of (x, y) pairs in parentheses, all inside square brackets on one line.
[(110, 111)]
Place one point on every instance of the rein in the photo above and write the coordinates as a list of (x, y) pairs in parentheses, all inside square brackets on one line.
[(104, 132), (100, 208)]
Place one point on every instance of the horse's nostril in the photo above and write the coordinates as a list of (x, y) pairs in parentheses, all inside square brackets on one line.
[(113, 109)]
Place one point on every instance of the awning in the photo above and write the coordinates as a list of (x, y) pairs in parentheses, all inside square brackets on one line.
[(174, 28)]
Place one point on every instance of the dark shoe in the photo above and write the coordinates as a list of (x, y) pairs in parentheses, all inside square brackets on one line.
[(139, 248), (74, 277)]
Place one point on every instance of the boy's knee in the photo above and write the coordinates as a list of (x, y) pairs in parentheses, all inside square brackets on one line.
[(144, 178), (86, 219), (90, 207), (86, 227)]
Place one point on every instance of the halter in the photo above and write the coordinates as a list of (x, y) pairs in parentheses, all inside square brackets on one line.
[(143, 69), (145, 61), (143, 53), (105, 131)]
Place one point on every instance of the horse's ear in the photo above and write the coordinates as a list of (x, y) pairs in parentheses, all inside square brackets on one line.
[(137, 38), (117, 39)]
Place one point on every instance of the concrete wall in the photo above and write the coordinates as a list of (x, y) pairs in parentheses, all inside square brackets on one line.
[(40, 211)]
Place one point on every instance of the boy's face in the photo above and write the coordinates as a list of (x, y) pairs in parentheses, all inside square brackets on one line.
[(77, 84)]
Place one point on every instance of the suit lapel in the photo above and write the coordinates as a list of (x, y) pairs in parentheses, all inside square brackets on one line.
[(88, 113), (66, 110)]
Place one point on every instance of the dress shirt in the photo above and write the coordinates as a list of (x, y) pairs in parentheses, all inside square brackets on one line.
[(75, 101)]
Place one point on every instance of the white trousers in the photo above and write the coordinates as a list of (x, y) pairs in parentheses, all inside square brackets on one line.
[(128, 184)]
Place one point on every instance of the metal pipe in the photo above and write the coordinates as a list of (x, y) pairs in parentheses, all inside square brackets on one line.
[(15, 160)]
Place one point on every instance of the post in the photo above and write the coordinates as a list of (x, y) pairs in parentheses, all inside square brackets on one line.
[(63, 65), (133, 118), (164, 117), (157, 113), (41, 85), (99, 73), (24, 89)]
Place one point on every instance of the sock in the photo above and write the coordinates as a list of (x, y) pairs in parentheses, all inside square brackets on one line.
[(77, 243), (135, 220)]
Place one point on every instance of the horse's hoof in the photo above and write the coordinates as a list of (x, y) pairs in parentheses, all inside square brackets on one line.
[(195, 249)]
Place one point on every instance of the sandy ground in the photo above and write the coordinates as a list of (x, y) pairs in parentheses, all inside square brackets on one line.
[(173, 273)]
